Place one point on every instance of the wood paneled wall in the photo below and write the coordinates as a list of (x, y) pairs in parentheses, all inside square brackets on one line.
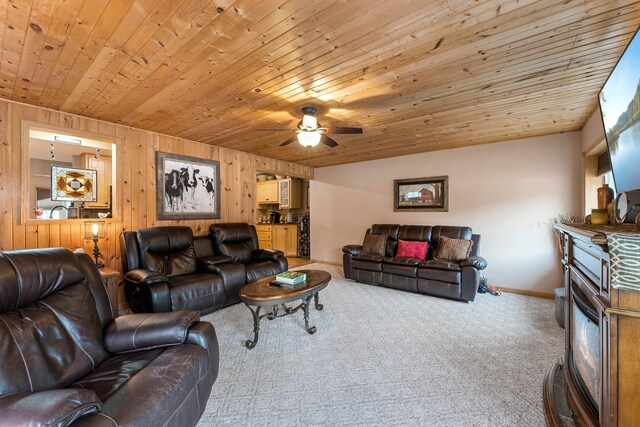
[(135, 182)]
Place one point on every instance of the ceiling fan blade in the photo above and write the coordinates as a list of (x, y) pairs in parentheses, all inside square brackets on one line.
[(288, 141), (328, 141), (337, 130), (274, 130)]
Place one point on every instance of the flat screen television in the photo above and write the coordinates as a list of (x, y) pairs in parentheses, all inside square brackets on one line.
[(620, 107)]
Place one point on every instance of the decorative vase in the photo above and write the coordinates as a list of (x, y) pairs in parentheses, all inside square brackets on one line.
[(605, 195)]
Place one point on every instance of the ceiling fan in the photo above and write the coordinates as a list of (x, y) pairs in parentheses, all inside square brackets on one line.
[(310, 133)]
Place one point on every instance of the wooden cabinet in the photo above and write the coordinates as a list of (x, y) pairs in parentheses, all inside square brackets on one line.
[(283, 237), (284, 192), (103, 176), (267, 192), (265, 236), (596, 383), (290, 194)]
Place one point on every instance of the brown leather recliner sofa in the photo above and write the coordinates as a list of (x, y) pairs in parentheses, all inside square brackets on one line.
[(67, 361), (449, 279), (168, 269)]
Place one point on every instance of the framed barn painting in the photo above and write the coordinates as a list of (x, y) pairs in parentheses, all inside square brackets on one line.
[(422, 194), (187, 187)]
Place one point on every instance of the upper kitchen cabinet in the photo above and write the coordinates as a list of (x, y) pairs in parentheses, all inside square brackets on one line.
[(290, 193), (267, 192)]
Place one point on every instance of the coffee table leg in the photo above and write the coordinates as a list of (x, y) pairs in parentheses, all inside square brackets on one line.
[(274, 313), (256, 326), (311, 330), (316, 298)]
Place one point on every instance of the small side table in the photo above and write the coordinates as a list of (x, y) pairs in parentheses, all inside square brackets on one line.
[(111, 279)]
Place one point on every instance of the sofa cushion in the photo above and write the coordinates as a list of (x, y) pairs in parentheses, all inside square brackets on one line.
[(400, 260), (258, 270), (116, 370), (442, 265), (58, 407), (196, 291), (368, 257), (365, 261), (160, 387), (52, 342), (399, 268), (452, 249), (167, 250), (449, 231), (441, 275), (391, 231), (374, 243), (238, 240), (419, 233), (412, 249)]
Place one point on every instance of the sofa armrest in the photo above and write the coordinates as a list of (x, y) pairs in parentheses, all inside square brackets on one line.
[(205, 262), (95, 420), (203, 334), (147, 291), (352, 249), (475, 261), (142, 276), (136, 332), (57, 407), (266, 255)]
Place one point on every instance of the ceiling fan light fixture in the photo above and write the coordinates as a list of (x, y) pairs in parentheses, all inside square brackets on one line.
[(309, 122), (309, 139)]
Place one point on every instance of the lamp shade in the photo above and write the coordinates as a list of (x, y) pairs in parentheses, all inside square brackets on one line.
[(94, 229), (309, 139)]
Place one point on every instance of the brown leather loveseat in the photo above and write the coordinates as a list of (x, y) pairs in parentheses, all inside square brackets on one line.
[(67, 361), (454, 279), (168, 269)]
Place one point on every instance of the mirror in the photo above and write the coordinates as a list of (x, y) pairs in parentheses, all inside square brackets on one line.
[(83, 169)]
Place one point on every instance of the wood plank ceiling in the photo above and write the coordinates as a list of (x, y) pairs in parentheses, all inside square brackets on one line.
[(417, 75)]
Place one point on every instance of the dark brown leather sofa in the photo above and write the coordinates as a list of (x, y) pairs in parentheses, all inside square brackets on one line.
[(67, 361), (455, 280), (168, 269)]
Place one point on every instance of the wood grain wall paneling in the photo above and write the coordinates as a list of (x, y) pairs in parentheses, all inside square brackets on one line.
[(135, 183)]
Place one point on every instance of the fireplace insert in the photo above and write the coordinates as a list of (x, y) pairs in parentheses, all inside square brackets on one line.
[(583, 353)]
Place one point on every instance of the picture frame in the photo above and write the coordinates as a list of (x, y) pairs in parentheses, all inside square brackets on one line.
[(430, 194), (187, 187)]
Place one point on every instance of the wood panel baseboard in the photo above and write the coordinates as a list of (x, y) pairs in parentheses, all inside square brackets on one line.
[(536, 294)]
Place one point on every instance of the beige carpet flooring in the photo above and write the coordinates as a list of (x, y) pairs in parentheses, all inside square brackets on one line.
[(383, 357)]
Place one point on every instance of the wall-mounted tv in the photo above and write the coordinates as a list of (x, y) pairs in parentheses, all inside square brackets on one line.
[(620, 106)]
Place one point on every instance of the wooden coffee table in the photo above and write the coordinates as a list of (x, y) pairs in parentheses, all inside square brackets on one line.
[(262, 293)]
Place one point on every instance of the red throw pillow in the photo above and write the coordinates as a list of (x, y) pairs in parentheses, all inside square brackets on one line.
[(412, 249)]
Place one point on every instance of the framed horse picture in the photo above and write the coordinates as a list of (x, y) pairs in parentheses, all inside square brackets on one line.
[(187, 187)]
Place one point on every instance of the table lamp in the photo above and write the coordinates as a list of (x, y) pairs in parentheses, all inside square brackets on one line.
[(94, 230)]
